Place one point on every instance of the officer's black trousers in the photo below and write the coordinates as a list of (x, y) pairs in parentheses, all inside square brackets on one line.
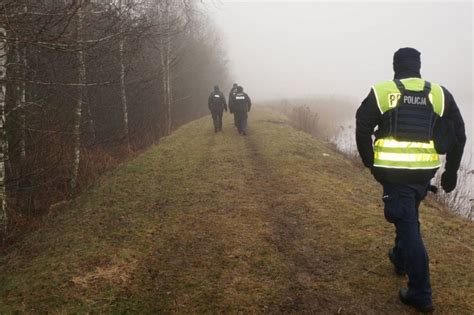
[(217, 119), (241, 121), (401, 209)]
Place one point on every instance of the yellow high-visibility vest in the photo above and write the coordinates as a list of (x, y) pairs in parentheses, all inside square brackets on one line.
[(391, 153)]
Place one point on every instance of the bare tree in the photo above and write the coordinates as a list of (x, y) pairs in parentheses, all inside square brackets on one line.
[(165, 62), (83, 87), (3, 134), (80, 99), (123, 90)]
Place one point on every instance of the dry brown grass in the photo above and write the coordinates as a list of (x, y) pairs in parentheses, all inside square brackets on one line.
[(115, 271)]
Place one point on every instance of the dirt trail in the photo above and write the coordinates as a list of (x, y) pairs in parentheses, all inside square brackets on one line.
[(284, 207), (275, 222)]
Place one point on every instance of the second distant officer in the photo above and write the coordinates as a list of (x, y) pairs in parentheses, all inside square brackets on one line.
[(241, 106), (217, 105)]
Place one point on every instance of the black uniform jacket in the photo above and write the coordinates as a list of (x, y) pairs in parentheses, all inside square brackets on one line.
[(247, 101), (368, 116), (216, 103)]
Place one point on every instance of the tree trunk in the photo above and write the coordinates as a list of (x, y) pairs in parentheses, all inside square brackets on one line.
[(123, 90), (89, 120), (163, 78), (166, 66), (3, 134), (80, 101), (23, 102), (124, 95), (23, 99), (168, 79), (22, 64)]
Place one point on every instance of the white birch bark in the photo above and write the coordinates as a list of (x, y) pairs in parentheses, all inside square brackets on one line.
[(163, 74), (168, 75), (123, 89), (124, 94), (23, 102), (80, 101), (24, 58), (22, 64), (165, 54), (3, 138)]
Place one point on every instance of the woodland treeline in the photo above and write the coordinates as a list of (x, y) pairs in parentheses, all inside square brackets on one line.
[(83, 84)]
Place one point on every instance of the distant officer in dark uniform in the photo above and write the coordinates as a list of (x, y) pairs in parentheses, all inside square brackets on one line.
[(232, 93), (241, 106), (217, 105), (404, 158)]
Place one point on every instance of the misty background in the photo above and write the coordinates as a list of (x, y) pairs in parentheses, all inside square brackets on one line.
[(294, 49)]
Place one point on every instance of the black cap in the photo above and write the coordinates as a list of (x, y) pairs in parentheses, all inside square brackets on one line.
[(406, 59), (216, 88), (234, 85)]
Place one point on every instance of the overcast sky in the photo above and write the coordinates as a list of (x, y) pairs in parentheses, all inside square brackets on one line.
[(290, 49)]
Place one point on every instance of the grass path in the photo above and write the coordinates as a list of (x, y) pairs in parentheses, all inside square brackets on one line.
[(273, 222)]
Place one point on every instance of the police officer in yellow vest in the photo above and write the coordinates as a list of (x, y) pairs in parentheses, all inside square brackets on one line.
[(404, 158)]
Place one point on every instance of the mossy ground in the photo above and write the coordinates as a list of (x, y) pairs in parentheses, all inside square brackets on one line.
[(202, 223)]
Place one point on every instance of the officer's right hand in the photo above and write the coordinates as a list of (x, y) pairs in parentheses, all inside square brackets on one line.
[(449, 180)]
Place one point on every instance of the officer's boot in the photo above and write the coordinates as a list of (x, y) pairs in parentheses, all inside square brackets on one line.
[(404, 296), (399, 270)]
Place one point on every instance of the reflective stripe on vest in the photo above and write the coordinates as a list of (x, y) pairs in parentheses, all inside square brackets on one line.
[(390, 153)]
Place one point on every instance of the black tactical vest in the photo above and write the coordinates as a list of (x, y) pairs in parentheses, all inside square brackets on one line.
[(240, 102), (412, 119), (217, 101)]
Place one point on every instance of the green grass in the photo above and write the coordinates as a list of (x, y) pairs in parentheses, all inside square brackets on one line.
[(273, 222)]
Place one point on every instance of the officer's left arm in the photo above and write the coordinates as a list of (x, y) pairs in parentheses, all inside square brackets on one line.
[(248, 100), (367, 117), (209, 101), (453, 114)]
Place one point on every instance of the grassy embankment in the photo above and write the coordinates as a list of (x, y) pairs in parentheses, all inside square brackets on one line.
[(203, 222)]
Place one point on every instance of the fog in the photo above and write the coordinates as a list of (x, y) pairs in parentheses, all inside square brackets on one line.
[(291, 49)]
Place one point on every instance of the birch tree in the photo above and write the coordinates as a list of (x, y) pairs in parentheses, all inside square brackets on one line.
[(22, 65), (123, 91), (80, 99), (166, 58), (3, 134)]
